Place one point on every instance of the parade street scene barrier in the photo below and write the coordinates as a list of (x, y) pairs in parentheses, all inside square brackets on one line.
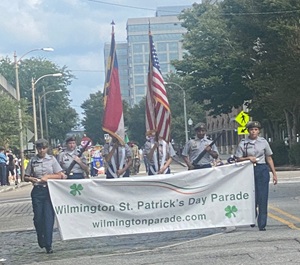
[(214, 197)]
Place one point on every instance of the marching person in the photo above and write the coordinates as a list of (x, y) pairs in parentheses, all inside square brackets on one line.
[(118, 158), (258, 151), (195, 146), (66, 157), (159, 164), (40, 168), (135, 166)]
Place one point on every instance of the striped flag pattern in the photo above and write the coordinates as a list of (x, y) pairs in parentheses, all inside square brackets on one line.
[(113, 120), (158, 114)]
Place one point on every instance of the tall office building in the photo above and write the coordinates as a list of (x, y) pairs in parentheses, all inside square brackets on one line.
[(167, 35), (133, 55)]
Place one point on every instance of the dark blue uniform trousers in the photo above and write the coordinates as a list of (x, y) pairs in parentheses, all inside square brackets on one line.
[(43, 215), (262, 178)]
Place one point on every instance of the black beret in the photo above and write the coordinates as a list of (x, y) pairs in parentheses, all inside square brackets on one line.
[(253, 124), (200, 126), (41, 143)]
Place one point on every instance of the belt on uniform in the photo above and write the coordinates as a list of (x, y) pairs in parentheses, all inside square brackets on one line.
[(40, 185), (202, 166)]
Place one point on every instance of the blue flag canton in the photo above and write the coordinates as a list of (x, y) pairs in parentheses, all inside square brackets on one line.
[(154, 57)]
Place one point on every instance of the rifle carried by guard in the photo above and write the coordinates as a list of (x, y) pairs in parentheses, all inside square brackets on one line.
[(198, 158), (68, 171)]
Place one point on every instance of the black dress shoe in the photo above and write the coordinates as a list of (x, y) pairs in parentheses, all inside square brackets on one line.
[(262, 229), (49, 250)]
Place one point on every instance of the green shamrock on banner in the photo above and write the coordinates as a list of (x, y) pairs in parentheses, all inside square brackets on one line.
[(230, 210), (76, 189)]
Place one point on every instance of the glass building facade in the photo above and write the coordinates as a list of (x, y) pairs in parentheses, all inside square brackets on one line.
[(133, 55), (167, 35)]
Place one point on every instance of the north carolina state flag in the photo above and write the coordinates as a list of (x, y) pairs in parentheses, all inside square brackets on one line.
[(113, 120)]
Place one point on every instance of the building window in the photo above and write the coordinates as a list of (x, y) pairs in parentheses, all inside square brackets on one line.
[(138, 58), (173, 46), (140, 90), (173, 56), (138, 69), (162, 57), (137, 48), (139, 79), (161, 46)]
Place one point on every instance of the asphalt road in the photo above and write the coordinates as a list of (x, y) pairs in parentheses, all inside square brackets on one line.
[(280, 244)]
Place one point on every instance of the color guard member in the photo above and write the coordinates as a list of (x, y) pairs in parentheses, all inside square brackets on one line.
[(40, 168)]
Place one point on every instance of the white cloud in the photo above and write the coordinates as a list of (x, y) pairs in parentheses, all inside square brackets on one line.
[(76, 29)]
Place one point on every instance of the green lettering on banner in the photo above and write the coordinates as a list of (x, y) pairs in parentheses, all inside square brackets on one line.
[(229, 197)]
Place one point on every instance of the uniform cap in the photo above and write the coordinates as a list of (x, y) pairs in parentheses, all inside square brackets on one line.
[(200, 126), (41, 143), (71, 138), (253, 124)]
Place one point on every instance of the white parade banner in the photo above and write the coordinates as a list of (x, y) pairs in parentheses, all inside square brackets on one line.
[(213, 197)]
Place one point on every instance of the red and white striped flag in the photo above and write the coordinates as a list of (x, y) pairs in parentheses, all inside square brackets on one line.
[(113, 120), (158, 114)]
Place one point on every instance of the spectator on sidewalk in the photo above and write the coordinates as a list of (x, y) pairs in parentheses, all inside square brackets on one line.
[(10, 168), (40, 168), (3, 162)]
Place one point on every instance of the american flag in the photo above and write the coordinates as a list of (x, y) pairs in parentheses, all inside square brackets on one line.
[(158, 114)]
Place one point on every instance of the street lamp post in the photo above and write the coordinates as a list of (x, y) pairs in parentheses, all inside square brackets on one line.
[(16, 63), (190, 122), (33, 83), (184, 109), (40, 108)]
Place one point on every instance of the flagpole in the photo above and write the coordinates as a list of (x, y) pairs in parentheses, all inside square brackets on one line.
[(158, 114), (156, 133), (113, 119)]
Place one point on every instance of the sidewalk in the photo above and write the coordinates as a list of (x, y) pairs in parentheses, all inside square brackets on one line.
[(13, 187)]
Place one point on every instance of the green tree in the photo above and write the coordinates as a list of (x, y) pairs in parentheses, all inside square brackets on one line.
[(62, 118), (9, 125), (214, 64), (93, 116), (239, 50), (135, 123)]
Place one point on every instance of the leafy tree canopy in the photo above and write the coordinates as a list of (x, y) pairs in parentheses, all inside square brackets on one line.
[(62, 118)]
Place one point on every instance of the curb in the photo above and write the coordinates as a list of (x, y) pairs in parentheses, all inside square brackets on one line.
[(13, 187), (287, 168)]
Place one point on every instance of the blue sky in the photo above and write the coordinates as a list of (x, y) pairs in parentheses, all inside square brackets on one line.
[(76, 29)]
